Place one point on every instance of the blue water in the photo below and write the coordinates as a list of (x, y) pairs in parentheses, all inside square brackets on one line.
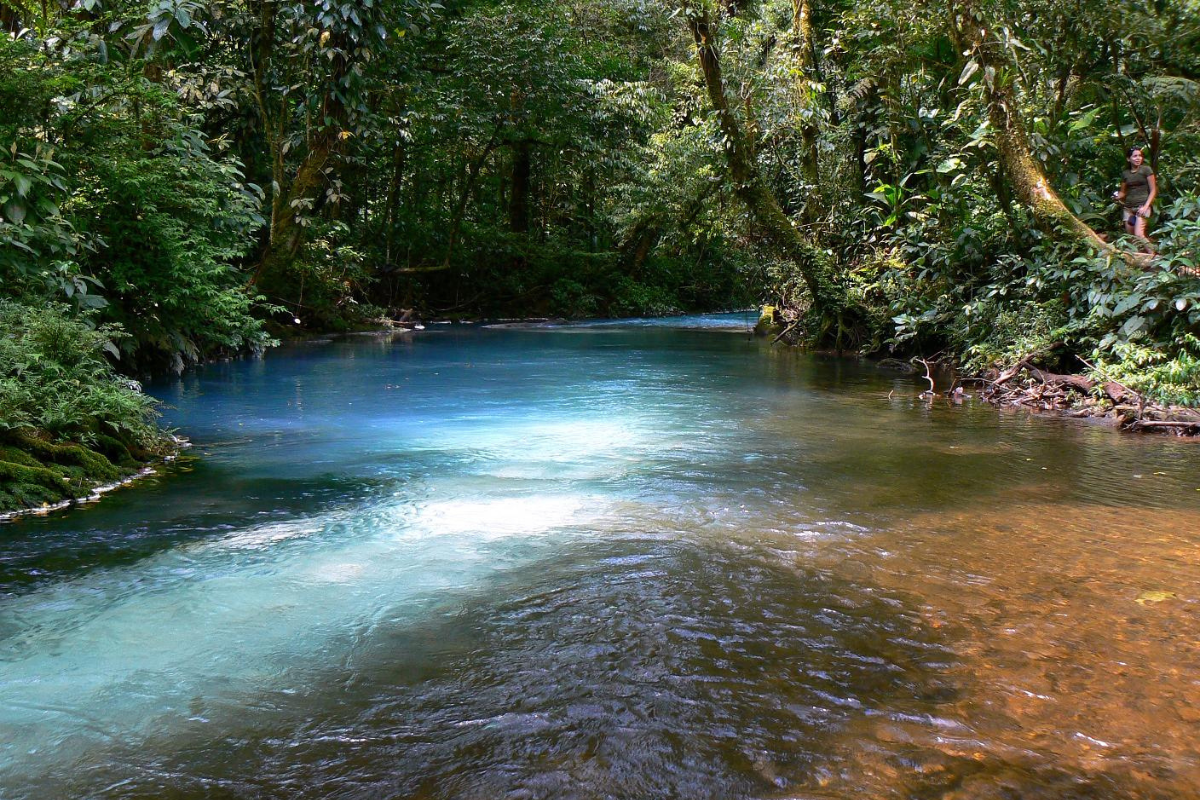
[(604, 560)]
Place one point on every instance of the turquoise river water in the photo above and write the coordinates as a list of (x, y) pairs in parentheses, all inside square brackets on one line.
[(638, 560)]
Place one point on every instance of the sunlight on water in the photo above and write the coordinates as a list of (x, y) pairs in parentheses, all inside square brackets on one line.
[(125, 654)]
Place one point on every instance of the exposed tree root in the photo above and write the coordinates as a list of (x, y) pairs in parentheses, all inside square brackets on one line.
[(1026, 386)]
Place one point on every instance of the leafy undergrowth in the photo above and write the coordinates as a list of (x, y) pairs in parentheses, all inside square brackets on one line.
[(68, 421), (1133, 321)]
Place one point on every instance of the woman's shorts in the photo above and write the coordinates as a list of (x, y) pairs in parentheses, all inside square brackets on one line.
[(1129, 214)]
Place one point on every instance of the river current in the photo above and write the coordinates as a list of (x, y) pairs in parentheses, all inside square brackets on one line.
[(637, 560)]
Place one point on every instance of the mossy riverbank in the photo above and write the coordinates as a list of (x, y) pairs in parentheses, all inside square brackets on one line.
[(37, 474)]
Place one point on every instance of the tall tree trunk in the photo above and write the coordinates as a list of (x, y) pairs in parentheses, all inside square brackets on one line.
[(1028, 178), (292, 194), (522, 173), (10, 19), (640, 243), (287, 229), (827, 296), (392, 202), (805, 58), (464, 196)]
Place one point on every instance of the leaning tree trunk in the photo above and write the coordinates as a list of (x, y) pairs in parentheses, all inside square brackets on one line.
[(804, 55), (827, 296), (287, 231), (1029, 180)]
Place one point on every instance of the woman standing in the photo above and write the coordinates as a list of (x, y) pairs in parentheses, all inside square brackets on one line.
[(1137, 193)]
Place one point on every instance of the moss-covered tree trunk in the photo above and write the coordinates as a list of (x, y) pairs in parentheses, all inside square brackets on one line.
[(804, 57), (287, 206), (1029, 180), (827, 295), (294, 193)]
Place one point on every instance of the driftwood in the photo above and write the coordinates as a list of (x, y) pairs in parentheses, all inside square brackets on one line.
[(928, 376), (1165, 423), (786, 331), (1081, 396)]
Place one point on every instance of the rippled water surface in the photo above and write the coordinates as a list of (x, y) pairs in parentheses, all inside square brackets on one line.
[(608, 561)]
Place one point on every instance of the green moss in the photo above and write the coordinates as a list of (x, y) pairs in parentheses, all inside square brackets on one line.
[(93, 464), (34, 471), (15, 455), (21, 473), (27, 495), (770, 322), (115, 451)]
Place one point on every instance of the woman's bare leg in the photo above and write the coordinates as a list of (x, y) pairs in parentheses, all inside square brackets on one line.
[(1139, 231)]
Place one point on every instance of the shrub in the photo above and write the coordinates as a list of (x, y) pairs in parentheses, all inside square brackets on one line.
[(55, 378)]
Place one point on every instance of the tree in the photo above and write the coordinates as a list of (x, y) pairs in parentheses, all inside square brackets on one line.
[(827, 296), (1012, 142)]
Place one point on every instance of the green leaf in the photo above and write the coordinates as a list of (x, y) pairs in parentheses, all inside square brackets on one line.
[(15, 211), (1084, 121), (1132, 325), (970, 69), (1126, 304), (950, 165)]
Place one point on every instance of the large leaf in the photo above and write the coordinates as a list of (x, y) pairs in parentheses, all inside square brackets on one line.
[(970, 69), (160, 28), (15, 211)]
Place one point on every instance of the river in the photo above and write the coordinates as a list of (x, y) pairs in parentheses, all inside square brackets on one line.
[(639, 560)]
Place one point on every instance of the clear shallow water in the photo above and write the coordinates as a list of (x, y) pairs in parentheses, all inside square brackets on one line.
[(617, 560)]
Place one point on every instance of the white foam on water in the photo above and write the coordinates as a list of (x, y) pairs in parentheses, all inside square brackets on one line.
[(196, 635), (576, 441), (127, 654), (493, 519)]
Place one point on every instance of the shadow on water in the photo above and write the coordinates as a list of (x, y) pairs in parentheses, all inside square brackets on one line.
[(201, 501), (632, 667)]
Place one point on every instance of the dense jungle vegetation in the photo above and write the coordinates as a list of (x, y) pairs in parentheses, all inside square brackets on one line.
[(187, 179)]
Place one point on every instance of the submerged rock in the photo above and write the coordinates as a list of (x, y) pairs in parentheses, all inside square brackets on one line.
[(896, 365)]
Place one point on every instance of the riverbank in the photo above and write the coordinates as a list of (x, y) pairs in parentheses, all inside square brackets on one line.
[(1023, 386), (1026, 386), (38, 476)]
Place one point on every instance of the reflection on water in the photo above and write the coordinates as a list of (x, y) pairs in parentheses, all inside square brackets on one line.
[(1075, 652), (658, 560)]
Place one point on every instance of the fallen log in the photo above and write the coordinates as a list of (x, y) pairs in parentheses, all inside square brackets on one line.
[(786, 331), (1122, 394), (1165, 423), (1079, 383), (1118, 393)]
